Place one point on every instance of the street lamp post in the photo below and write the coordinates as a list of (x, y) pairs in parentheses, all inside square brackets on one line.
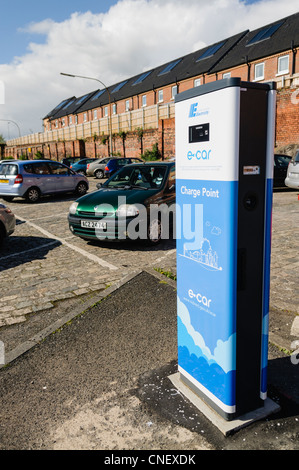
[(9, 120), (109, 96)]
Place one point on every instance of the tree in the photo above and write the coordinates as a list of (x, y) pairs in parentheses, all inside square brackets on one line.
[(2, 140)]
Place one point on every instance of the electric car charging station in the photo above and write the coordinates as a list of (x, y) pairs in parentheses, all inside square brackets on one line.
[(224, 182)]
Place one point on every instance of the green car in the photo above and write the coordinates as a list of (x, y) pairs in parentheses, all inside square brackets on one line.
[(137, 202)]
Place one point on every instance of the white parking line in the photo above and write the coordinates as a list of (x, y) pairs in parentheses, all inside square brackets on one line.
[(94, 258)]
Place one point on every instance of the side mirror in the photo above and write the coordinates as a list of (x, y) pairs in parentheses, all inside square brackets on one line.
[(99, 185)]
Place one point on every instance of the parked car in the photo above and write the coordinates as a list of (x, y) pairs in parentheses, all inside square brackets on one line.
[(7, 160), (292, 178), (81, 165), (7, 222), (31, 179), (69, 160), (97, 168), (125, 201), (281, 163), (116, 163)]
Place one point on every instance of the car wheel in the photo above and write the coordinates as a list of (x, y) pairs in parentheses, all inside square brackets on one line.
[(81, 188), (33, 195), (154, 231), (99, 174), (7, 198)]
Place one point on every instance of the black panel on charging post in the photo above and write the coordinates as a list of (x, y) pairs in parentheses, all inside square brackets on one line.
[(199, 133), (251, 216)]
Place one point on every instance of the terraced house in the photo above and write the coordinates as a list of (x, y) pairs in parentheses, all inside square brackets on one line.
[(138, 113)]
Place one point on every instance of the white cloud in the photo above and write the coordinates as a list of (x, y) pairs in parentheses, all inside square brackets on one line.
[(42, 27), (133, 36), (223, 353)]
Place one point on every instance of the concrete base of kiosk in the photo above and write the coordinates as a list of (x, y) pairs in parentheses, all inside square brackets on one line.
[(226, 427)]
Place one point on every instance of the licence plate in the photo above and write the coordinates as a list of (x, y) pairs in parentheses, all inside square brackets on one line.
[(93, 224), (4, 181)]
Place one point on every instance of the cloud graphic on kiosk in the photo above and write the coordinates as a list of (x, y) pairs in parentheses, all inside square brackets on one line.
[(223, 352)]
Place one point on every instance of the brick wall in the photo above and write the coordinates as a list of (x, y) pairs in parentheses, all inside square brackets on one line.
[(287, 117), (287, 133)]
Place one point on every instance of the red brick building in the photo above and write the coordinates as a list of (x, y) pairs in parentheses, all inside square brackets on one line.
[(139, 112)]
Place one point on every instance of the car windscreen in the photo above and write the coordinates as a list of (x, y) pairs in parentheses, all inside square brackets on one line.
[(282, 161), (8, 169), (143, 176), (296, 158)]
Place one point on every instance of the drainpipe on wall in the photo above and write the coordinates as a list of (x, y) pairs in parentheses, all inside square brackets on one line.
[(248, 68), (294, 50)]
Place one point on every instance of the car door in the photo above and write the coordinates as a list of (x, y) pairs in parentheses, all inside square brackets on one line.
[(281, 163), (63, 177), (42, 177)]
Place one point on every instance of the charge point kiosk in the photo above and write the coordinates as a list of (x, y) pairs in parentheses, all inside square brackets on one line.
[(224, 183)]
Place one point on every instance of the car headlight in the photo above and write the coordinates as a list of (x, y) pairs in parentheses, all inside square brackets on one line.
[(73, 208), (127, 210)]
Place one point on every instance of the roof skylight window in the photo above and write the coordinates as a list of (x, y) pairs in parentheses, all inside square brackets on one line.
[(141, 78), (119, 86), (68, 104), (81, 99), (61, 104), (265, 33), (169, 67), (210, 51), (97, 95)]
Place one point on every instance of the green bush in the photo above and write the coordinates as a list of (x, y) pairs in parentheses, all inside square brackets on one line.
[(151, 155)]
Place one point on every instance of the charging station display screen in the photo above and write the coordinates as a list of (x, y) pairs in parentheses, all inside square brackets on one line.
[(199, 133)]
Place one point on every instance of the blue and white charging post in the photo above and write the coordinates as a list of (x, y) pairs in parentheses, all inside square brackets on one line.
[(224, 183)]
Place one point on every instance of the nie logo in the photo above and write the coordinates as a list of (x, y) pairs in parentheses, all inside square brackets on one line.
[(193, 112)]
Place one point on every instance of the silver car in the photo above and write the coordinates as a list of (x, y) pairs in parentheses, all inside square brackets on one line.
[(31, 179), (292, 179), (7, 222), (97, 168)]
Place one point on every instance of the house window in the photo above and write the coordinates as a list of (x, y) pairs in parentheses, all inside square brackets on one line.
[(114, 108), (84, 117), (226, 75), (63, 122), (259, 71), (106, 111), (76, 119), (160, 96), (283, 65), (70, 120), (197, 82), (144, 100), (127, 105), (95, 114), (56, 124), (174, 91)]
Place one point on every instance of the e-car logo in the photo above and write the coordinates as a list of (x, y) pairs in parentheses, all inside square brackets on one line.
[(201, 299), (193, 112), (199, 155)]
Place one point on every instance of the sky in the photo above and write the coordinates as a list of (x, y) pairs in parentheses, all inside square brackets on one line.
[(106, 39)]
